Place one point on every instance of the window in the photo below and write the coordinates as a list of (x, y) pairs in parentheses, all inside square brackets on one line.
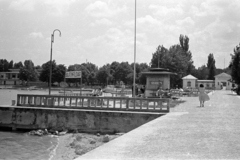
[(189, 84)]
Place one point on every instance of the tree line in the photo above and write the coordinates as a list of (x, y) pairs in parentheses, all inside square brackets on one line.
[(177, 58)]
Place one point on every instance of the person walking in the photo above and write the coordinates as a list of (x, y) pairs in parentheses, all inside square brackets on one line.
[(202, 95)]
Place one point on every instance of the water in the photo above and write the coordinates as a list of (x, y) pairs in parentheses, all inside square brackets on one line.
[(19, 145)]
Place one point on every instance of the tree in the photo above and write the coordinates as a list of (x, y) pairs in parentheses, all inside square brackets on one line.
[(177, 59), (27, 72), (211, 67), (235, 67), (44, 75), (104, 74), (88, 70), (58, 73), (122, 72), (10, 65), (4, 65), (18, 65), (203, 72)]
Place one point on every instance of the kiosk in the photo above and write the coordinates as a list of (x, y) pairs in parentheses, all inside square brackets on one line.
[(157, 77)]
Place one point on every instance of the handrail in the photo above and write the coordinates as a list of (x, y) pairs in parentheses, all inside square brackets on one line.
[(95, 103)]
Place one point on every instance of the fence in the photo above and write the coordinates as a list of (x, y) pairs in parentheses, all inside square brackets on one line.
[(94, 103)]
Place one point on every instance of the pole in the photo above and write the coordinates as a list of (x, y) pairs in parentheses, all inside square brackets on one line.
[(81, 85), (134, 68), (50, 75)]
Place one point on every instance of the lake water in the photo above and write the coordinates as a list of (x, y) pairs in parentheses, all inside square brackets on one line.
[(19, 145)]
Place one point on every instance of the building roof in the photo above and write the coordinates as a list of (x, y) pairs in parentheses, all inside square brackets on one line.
[(189, 77), (157, 73), (205, 80), (223, 75)]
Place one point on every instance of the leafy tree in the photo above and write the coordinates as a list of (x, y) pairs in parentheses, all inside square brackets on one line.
[(27, 72), (122, 72), (10, 65), (184, 40), (4, 65), (89, 72), (18, 65), (58, 73), (104, 74), (113, 67), (177, 59), (211, 67), (235, 67), (140, 79), (45, 73), (203, 72)]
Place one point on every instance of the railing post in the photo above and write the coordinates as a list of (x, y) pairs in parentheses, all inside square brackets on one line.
[(18, 100), (127, 103)]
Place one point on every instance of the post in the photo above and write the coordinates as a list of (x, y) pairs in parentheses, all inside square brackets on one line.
[(134, 68), (50, 75), (81, 85)]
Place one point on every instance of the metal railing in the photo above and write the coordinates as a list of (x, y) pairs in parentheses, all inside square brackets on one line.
[(94, 103)]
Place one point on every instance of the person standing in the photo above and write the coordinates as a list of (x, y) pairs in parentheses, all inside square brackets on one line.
[(202, 95)]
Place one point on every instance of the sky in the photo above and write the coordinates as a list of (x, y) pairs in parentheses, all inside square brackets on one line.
[(102, 31)]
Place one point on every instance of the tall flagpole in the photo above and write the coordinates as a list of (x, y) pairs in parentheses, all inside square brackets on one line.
[(134, 68)]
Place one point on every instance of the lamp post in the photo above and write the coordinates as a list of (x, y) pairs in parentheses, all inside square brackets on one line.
[(50, 76), (134, 66)]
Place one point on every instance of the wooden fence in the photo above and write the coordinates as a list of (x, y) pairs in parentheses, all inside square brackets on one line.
[(94, 103)]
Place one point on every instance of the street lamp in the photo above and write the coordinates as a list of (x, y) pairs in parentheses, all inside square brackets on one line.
[(50, 76)]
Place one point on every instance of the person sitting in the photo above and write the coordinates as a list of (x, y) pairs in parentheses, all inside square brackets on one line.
[(98, 92), (159, 92)]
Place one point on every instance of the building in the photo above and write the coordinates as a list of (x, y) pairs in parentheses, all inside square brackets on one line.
[(221, 80), (157, 77), (10, 78)]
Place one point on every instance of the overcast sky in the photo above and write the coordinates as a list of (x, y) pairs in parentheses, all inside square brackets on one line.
[(102, 31)]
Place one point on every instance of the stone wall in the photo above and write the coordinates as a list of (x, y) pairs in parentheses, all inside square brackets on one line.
[(69, 119)]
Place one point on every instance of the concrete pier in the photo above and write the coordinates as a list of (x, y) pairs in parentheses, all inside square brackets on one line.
[(103, 121)]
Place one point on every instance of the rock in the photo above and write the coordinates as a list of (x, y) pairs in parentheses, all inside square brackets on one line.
[(62, 133), (92, 142), (98, 134), (106, 138)]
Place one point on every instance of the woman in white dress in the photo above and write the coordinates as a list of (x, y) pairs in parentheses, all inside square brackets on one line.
[(202, 95)]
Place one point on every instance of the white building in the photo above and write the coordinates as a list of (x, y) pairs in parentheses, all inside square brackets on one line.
[(221, 81), (189, 81)]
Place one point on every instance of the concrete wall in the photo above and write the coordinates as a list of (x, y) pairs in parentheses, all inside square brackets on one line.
[(82, 120)]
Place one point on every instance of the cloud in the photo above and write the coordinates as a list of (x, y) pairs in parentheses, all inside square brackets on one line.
[(58, 7), (166, 12), (102, 21), (22, 5), (186, 21), (103, 9), (36, 35)]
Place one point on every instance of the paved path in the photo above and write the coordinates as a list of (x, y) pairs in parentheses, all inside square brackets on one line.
[(188, 132)]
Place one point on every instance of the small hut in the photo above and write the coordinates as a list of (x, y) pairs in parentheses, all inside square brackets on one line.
[(157, 77)]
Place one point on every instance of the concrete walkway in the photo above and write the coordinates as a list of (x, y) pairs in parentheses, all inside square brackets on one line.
[(187, 132)]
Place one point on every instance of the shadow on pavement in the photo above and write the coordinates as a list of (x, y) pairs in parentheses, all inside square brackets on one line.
[(174, 103)]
